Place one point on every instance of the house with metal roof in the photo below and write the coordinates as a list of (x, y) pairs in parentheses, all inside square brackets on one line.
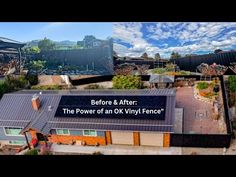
[(6, 43), (10, 53), (91, 117)]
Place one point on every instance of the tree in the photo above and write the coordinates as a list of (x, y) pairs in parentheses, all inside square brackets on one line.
[(33, 49), (46, 44), (217, 51), (16, 83), (37, 65), (175, 55), (157, 56), (144, 55), (3, 88), (33, 79), (126, 82), (232, 88)]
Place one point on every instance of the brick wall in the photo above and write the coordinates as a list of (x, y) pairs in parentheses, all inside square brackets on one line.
[(68, 139)]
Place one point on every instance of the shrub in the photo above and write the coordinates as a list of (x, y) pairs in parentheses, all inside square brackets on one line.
[(4, 88), (183, 73), (232, 83), (126, 82), (159, 70), (33, 79), (16, 83), (32, 152), (202, 85), (47, 87)]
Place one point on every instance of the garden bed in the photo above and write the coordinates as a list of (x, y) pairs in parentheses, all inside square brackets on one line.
[(205, 90)]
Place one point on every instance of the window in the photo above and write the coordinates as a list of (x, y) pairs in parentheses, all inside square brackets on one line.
[(90, 133), (13, 131), (62, 132), (17, 142)]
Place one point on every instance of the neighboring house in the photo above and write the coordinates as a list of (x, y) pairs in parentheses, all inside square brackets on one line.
[(38, 116)]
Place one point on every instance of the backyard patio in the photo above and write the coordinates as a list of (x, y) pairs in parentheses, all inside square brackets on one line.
[(199, 114)]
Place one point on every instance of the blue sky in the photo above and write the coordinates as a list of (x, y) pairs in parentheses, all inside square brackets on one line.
[(133, 39), (57, 31)]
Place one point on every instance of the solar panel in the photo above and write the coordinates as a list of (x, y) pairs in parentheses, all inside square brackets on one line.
[(107, 106)]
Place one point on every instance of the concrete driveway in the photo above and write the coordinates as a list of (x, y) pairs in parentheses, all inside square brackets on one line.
[(116, 150)]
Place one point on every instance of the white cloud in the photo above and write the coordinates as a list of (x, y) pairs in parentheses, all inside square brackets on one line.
[(203, 36)]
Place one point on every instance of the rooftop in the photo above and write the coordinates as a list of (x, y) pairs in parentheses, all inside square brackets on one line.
[(16, 110), (9, 43)]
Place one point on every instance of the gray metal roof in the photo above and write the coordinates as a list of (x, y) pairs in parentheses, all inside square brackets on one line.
[(156, 78), (9, 43), (16, 109), (164, 92)]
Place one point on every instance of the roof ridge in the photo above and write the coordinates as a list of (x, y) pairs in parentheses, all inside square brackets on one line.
[(109, 123)]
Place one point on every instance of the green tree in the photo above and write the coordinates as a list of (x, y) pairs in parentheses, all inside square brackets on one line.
[(37, 65), (46, 44), (3, 88), (32, 50), (232, 89), (126, 82), (14, 84), (33, 79), (175, 55)]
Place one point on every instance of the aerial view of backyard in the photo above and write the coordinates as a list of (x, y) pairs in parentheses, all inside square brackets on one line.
[(122, 89)]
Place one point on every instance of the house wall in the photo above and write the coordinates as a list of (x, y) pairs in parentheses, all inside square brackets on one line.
[(77, 135), (5, 139), (68, 139)]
